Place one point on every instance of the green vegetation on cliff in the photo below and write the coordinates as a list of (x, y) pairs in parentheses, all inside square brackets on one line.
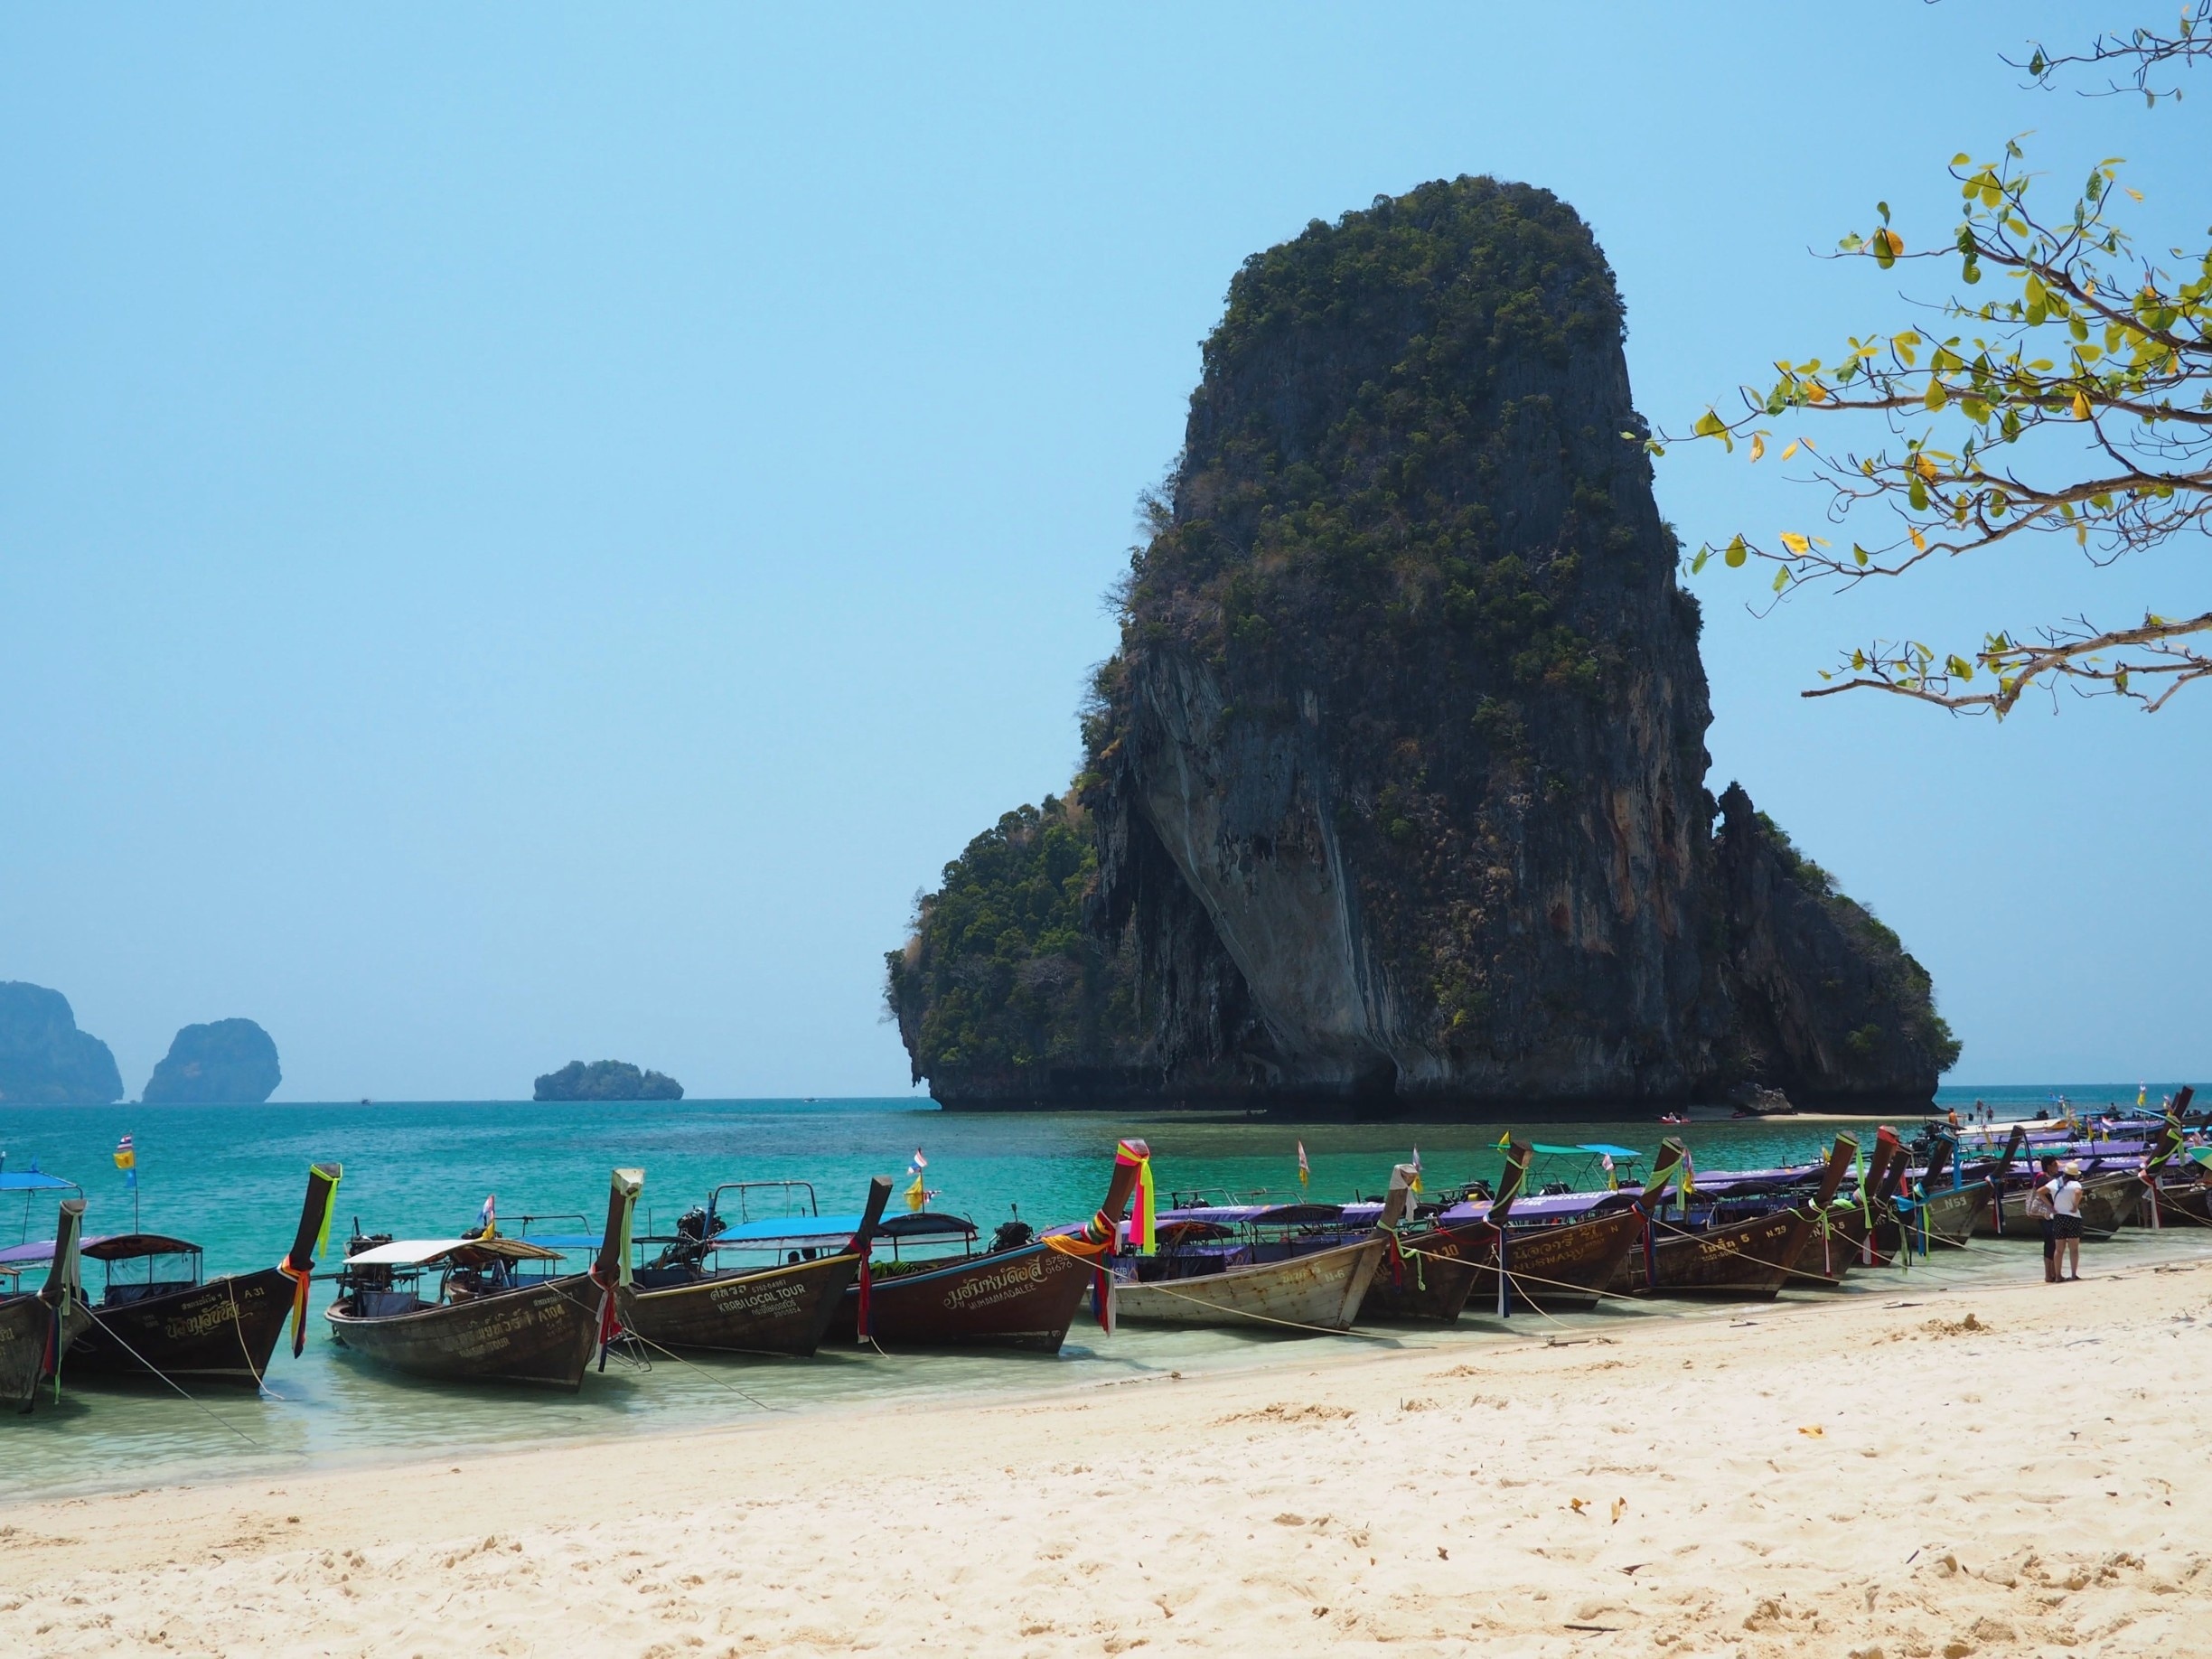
[(1313, 525), (999, 975), (1903, 980)]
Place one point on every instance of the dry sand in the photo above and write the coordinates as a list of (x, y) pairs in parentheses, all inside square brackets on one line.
[(1990, 1470)]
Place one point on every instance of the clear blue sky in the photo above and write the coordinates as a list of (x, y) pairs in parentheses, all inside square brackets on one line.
[(530, 532)]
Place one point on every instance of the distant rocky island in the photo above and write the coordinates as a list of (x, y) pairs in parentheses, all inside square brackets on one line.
[(606, 1080), (44, 1058), (225, 1063), (1394, 798)]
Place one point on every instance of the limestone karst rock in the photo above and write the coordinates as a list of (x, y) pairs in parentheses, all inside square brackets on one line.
[(1396, 788), (44, 1057), (225, 1063)]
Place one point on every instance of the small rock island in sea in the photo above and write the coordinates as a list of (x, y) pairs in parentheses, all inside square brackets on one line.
[(606, 1080), (44, 1058), (225, 1063), (1393, 800)]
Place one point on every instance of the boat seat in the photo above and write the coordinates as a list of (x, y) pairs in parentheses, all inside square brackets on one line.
[(382, 1303)]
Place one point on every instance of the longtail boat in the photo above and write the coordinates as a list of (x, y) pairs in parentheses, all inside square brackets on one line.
[(1563, 1251), (1712, 1252), (1844, 1233), (700, 1293), (1022, 1293), (38, 1328), (1429, 1275), (156, 1316), (488, 1320), (1943, 1214), (1280, 1267)]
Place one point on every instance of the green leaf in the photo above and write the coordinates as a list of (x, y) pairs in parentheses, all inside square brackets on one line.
[(1698, 563), (1736, 553), (1782, 577)]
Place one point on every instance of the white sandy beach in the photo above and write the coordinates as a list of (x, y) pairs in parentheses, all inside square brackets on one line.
[(2017, 1469)]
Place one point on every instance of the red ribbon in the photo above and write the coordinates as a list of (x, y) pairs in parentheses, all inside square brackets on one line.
[(301, 1278)]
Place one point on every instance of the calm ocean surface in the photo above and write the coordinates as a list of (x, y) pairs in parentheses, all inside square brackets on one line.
[(231, 1178)]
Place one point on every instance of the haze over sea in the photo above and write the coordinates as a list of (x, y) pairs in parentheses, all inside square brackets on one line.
[(230, 1179)]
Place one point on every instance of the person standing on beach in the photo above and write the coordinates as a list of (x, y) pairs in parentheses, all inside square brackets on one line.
[(2039, 1210), (2066, 1217)]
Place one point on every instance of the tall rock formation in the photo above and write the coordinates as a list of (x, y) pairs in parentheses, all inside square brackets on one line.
[(225, 1063), (1397, 784), (44, 1058)]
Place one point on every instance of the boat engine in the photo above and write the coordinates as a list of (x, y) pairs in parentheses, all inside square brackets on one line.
[(690, 1247), (1012, 1235)]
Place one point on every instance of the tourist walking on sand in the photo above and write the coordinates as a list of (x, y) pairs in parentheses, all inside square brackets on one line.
[(2066, 1216), (2039, 1210)]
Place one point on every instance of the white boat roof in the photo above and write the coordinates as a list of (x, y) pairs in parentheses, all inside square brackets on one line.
[(423, 1252)]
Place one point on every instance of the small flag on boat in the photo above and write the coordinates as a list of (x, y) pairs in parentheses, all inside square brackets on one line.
[(1612, 1178), (1505, 1141), (1414, 1185), (917, 1164), (916, 1196), (127, 1160), (1305, 1175), (487, 1218), (2142, 1090)]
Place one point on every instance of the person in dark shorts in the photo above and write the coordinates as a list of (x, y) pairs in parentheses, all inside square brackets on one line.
[(2067, 1218), (2039, 1210)]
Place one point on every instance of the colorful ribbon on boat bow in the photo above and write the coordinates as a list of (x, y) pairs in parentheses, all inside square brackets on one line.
[(1144, 1208)]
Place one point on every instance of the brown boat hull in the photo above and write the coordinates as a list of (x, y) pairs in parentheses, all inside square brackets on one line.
[(25, 1323), (542, 1336), (1828, 1253), (1431, 1286), (223, 1331), (1951, 1213), (1561, 1268), (1745, 1260), (781, 1310), (2109, 1202), (1021, 1298)]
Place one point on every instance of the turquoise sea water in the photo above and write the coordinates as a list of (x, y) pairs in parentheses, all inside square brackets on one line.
[(231, 1178)]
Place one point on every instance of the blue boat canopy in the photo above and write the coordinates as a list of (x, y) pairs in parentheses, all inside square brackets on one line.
[(31, 1181), (792, 1229)]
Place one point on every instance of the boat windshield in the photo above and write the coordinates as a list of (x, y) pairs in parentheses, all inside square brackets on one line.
[(145, 1264)]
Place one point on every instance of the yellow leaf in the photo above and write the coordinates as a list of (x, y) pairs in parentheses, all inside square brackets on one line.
[(1919, 540), (1758, 446), (1791, 450), (1795, 543), (2081, 407), (1924, 467)]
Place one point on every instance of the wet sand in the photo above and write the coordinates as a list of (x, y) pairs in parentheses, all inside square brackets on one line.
[(1987, 1467)]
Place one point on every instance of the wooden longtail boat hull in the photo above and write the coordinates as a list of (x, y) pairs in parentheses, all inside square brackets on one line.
[(222, 1331), (1950, 1213), (1828, 1253), (1023, 1299), (1747, 1261), (2184, 1205), (1430, 1286), (2109, 1202), (1564, 1268), (25, 1323), (786, 1310), (543, 1335), (1323, 1289)]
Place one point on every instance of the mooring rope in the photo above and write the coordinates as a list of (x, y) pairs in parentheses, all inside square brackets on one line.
[(171, 1381)]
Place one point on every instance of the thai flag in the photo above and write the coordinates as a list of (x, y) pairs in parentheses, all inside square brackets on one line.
[(127, 1160)]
